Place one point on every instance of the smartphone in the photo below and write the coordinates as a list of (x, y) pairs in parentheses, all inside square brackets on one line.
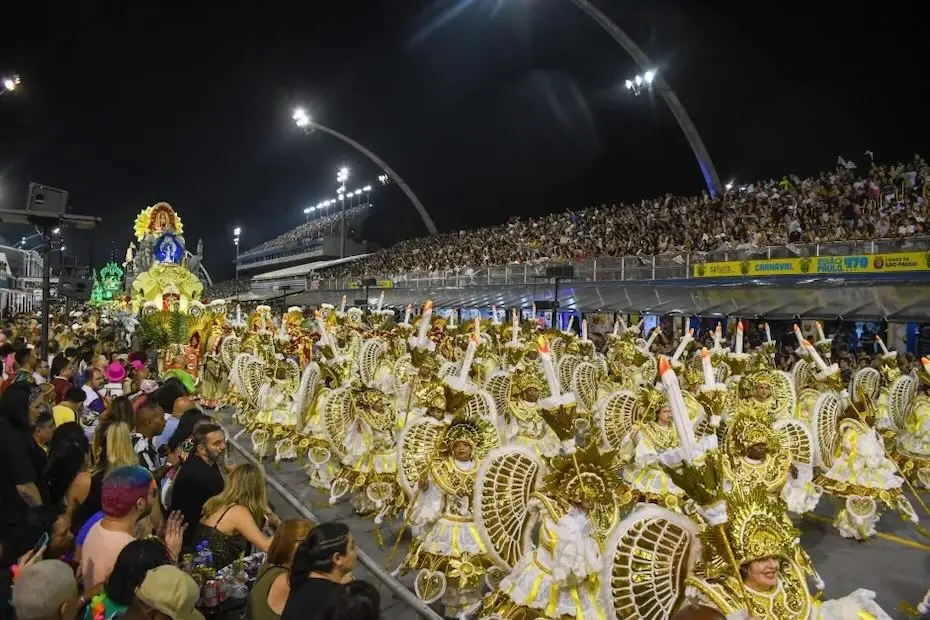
[(42, 542)]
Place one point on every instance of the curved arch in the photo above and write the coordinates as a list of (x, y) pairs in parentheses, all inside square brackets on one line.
[(427, 220), (671, 99)]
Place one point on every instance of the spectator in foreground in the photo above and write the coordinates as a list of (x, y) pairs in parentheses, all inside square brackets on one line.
[(323, 563), (134, 561), (22, 481), (166, 592), (68, 456), (272, 588), (358, 600), (42, 431), (233, 519), (43, 589), (127, 496), (200, 477)]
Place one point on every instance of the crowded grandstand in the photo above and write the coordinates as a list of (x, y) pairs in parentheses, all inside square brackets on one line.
[(848, 203)]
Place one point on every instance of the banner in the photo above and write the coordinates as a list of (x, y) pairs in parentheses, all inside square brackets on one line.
[(377, 284), (815, 265)]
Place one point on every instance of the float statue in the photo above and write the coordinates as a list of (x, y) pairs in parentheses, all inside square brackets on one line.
[(161, 273)]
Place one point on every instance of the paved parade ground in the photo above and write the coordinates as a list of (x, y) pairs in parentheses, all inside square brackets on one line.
[(896, 564)]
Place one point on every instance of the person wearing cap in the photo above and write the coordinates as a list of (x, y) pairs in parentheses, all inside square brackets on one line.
[(167, 592), (114, 373)]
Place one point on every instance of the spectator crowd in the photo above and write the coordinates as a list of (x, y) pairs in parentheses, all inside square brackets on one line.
[(847, 203), (117, 500)]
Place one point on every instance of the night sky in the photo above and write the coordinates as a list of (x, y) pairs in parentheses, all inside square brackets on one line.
[(488, 108)]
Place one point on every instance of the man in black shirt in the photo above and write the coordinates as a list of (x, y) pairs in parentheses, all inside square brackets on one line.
[(200, 477)]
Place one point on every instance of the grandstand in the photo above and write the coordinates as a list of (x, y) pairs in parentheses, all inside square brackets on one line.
[(846, 204), (281, 265), (841, 211)]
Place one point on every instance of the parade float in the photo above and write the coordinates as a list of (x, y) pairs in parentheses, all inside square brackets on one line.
[(165, 291), (108, 285), (161, 271)]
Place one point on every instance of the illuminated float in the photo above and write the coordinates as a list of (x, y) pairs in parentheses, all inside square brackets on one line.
[(108, 285), (161, 271)]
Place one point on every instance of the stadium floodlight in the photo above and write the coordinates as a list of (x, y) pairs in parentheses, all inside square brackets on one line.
[(358, 192), (340, 190), (301, 118), (342, 196), (343, 175), (10, 83), (306, 210), (56, 231), (383, 178), (729, 185), (641, 82), (367, 188)]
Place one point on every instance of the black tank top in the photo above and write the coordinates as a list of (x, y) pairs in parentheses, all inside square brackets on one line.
[(92, 503)]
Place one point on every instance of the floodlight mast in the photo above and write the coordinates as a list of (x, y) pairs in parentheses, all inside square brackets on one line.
[(303, 120)]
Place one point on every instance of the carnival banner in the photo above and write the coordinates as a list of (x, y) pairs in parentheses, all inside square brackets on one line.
[(378, 284), (815, 265)]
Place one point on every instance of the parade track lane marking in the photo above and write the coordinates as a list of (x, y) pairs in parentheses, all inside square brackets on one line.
[(907, 542)]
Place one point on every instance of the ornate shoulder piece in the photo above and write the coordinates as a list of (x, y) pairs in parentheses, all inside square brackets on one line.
[(646, 559), (507, 479)]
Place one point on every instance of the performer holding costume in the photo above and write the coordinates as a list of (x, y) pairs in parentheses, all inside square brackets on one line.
[(577, 499), (771, 583), (910, 413), (651, 436), (857, 469), (778, 458), (368, 455), (438, 466), (517, 398)]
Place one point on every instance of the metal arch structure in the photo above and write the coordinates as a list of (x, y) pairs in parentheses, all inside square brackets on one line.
[(711, 178), (203, 270), (427, 220)]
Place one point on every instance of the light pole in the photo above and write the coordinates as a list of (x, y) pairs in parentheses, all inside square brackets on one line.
[(237, 232), (10, 83), (342, 176), (303, 120), (714, 186)]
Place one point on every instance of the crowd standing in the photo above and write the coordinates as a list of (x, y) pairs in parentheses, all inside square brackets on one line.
[(113, 485)]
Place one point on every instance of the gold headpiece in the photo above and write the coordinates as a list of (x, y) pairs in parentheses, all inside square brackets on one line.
[(748, 428), (474, 431), (651, 402), (757, 526), (587, 476), (759, 361), (692, 375), (529, 378)]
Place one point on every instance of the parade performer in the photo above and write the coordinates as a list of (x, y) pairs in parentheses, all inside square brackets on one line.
[(577, 499), (439, 465)]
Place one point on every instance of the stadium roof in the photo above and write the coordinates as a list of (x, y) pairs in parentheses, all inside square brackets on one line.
[(900, 297), (301, 270)]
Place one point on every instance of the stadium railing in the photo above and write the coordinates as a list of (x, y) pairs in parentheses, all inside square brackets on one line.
[(658, 267)]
